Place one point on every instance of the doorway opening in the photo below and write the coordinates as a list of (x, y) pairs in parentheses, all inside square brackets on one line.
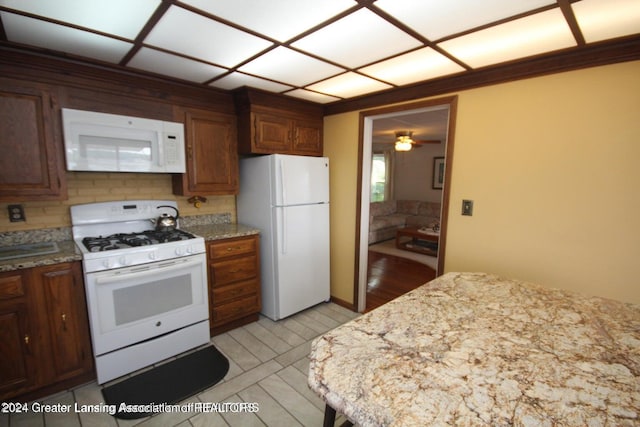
[(371, 131)]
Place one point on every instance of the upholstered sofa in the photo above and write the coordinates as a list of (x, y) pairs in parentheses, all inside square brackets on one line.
[(386, 217)]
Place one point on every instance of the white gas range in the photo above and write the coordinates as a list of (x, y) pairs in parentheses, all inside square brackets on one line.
[(146, 289)]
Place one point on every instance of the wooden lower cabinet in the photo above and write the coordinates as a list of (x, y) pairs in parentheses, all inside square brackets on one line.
[(45, 344), (17, 364), (234, 282), (66, 318)]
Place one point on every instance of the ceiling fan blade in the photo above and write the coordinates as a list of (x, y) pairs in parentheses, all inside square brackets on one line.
[(426, 141)]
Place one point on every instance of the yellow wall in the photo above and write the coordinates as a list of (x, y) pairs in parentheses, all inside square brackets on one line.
[(339, 134), (89, 187), (552, 166)]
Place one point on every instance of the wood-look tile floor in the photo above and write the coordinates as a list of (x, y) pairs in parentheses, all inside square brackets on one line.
[(268, 365)]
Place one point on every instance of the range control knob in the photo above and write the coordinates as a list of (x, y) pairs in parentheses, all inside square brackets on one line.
[(108, 263), (124, 261), (153, 255), (179, 251)]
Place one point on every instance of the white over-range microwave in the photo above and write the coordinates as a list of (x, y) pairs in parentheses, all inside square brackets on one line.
[(113, 143)]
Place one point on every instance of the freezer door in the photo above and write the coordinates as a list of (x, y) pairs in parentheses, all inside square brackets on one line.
[(302, 245), (300, 180)]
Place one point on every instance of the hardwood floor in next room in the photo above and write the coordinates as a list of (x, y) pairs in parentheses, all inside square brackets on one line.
[(390, 276)]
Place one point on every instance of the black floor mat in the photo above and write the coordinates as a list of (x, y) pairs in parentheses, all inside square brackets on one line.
[(169, 383)]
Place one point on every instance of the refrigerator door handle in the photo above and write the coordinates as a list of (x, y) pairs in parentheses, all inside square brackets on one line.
[(283, 187), (284, 231)]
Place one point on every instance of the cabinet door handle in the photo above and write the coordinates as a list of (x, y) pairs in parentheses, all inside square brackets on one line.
[(256, 138), (27, 340), (64, 322)]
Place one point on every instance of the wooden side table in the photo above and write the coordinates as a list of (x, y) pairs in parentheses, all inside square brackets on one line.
[(420, 240)]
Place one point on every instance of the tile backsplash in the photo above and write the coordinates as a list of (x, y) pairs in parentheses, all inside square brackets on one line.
[(90, 187)]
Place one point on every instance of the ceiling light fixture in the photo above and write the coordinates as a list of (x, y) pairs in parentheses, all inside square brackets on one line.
[(403, 141)]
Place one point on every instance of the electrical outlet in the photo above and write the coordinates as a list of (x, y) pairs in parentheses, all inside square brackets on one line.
[(467, 207), (16, 213)]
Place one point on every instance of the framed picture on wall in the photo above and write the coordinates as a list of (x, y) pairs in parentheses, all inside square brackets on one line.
[(438, 173)]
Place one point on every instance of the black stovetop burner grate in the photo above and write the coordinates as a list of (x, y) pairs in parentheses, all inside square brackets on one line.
[(132, 240)]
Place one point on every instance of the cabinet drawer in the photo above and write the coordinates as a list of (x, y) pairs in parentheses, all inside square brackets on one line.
[(227, 248), (235, 309), (222, 294), (233, 270), (11, 286)]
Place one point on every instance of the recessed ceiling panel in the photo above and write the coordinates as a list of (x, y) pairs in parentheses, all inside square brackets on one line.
[(349, 84), (124, 18), (435, 19), (194, 35), (413, 67), (175, 66), (536, 34), (312, 96), (286, 65), (600, 20), (358, 39), (59, 38), (280, 20), (342, 48), (236, 80)]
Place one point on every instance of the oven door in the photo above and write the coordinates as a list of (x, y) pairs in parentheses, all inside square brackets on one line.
[(133, 304)]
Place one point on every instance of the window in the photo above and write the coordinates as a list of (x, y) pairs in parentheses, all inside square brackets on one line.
[(381, 176)]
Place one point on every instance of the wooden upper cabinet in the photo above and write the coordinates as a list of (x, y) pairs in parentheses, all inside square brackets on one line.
[(307, 136), (212, 153), (31, 165), (276, 124), (271, 133)]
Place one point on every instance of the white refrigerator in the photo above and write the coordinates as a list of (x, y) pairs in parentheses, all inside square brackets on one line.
[(287, 198)]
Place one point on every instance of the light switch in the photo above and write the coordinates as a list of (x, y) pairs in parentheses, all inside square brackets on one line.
[(467, 207)]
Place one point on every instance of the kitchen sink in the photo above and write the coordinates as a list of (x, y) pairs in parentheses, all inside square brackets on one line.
[(26, 250)]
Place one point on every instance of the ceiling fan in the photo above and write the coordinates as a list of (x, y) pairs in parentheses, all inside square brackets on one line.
[(404, 141)]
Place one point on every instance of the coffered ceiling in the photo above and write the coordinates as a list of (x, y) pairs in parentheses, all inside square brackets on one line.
[(319, 50)]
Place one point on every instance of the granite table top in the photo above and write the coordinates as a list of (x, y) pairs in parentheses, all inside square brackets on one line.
[(473, 349)]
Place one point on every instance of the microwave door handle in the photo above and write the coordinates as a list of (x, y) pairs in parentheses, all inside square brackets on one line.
[(160, 146)]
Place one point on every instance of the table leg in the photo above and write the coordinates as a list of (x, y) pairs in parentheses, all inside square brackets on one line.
[(329, 416)]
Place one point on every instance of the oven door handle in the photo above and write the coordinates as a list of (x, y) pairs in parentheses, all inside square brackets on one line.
[(146, 270)]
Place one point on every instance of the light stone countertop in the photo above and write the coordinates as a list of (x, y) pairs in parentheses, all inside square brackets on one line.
[(68, 251), (472, 349), (220, 231)]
